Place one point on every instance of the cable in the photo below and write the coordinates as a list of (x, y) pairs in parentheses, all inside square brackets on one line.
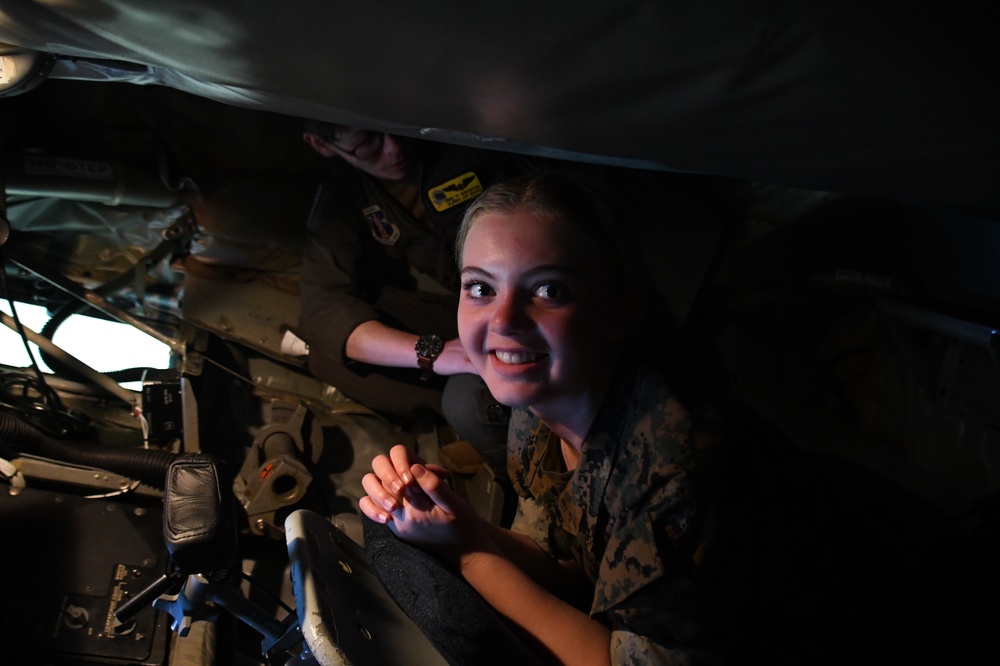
[(43, 388), (20, 395), (114, 493), (50, 396), (117, 284), (4, 222)]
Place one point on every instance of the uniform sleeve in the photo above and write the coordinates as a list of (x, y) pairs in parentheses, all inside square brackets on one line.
[(663, 619), (533, 522), (631, 649), (331, 306)]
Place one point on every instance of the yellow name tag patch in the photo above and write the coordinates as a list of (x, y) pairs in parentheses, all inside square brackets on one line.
[(455, 191)]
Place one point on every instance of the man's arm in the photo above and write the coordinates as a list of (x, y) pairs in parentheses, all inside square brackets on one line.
[(376, 343), (331, 302)]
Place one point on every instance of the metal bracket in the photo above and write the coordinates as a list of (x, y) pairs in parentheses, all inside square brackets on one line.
[(273, 475)]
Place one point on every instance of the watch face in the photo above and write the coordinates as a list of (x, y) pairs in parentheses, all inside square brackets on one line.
[(429, 345)]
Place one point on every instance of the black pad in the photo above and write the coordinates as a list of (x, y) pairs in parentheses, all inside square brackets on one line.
[(198, 527)]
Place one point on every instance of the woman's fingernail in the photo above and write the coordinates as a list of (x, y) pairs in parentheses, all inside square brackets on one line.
[(389, 504), (407, 477), (396, 486), (383, 517)]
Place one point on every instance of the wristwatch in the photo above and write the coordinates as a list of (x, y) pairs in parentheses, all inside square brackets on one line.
[(428, 348)]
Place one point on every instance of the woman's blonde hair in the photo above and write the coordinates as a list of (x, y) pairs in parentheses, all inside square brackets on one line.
[(555, 196)]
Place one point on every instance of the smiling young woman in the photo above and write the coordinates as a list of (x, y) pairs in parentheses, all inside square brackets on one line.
[(604, 561)]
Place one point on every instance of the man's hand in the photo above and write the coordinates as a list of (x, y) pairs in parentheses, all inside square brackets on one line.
[(453, 360)]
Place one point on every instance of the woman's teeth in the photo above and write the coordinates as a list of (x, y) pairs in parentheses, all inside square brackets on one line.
[(515, 358)]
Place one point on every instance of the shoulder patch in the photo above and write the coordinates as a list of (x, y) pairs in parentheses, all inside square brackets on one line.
[(455, 191), (382, 229)]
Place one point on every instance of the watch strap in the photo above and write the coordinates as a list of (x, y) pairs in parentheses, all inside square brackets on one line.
[(428, 348)]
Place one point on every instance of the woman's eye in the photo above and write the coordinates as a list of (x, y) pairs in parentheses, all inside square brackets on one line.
[(550, 291), (476, 289)]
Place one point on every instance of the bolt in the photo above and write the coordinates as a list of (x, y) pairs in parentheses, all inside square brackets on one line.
[(75, 617)]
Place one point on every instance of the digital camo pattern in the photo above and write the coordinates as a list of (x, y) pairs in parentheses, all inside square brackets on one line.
[(633, 514)]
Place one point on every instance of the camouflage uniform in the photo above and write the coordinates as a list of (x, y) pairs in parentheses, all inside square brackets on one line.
[(633, 515)]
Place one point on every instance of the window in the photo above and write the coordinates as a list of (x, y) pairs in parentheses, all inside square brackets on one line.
[(101, 344)]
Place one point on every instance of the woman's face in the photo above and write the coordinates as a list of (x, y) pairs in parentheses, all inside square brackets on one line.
[(536, 310)]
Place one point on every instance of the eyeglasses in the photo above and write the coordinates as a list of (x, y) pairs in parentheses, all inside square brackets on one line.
[(369, 147)]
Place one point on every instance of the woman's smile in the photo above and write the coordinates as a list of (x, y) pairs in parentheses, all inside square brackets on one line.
[(516, 357)]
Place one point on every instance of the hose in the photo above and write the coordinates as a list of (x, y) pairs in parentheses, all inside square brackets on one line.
[(146, 465)]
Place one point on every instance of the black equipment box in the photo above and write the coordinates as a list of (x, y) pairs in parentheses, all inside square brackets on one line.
[(66, 562)]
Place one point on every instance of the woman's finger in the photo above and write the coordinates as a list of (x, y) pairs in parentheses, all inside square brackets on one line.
[(402, 459), (372, 510), (384, 468), (377, 492), (435, 488)]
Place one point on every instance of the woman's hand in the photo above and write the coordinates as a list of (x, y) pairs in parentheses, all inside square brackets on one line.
[(414, 499), (390, 475)]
